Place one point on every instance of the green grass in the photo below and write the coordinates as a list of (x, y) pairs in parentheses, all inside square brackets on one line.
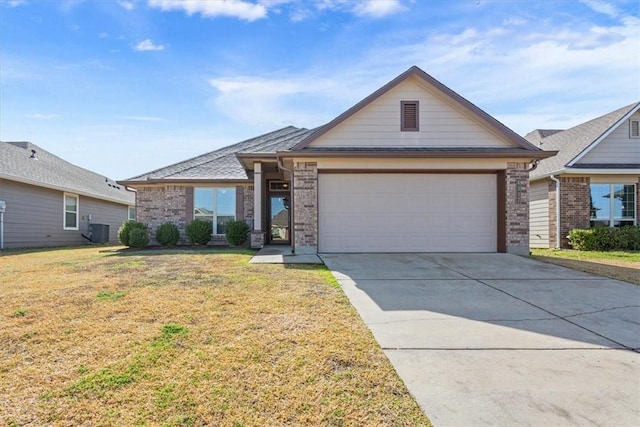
[(618, 265)]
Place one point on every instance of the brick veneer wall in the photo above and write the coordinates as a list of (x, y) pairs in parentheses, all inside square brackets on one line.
[(517, 208), (574, 207), (160, 204), (305, 187), (156, 205)]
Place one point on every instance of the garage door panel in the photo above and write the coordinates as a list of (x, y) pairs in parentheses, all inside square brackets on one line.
[(407, 213)]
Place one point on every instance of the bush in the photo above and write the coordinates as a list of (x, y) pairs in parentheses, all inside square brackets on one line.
[(139, 238), (199, 231), (606, 239), (237, 232), (124, 232), (167, 234)]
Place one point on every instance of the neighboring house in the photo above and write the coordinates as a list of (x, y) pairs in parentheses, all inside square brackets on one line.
[(50, 202), (413, 167), (595, 177)]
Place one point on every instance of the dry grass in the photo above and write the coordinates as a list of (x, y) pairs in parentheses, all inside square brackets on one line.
[(96, 337), (623, 266)]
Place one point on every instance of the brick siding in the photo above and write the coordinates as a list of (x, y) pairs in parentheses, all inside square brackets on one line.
[(305, 187), (574, 207), (517, 208)]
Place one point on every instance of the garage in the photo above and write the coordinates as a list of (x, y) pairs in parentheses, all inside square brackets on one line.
[(400, 212)]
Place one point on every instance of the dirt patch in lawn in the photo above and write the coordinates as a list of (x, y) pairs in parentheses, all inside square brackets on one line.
[(94, 337)]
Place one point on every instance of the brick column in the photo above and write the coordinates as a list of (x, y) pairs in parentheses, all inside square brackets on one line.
[(517, 208), (305, 188), (574, 206)]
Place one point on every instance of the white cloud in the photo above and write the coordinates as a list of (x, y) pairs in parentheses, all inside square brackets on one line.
[(147, 45), (40, 116), (601, 7), (231, 8), (377, 8), (144, 118), (128, 5), (15, 3)]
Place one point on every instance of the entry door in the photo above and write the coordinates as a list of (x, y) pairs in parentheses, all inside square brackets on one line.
[(279, 229)]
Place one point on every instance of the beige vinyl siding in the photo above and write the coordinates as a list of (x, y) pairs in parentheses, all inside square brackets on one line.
[(616, 148), (539, 214), (378, 124), (34, 216)]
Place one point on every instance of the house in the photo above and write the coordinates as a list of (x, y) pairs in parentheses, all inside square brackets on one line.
[(594, 178), (51, 202), (413, 167)]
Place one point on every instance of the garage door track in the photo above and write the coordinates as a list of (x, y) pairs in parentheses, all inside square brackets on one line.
[(497, 339)]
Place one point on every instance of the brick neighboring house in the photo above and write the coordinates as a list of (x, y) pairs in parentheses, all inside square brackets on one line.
[(414, 167), (595, 177)]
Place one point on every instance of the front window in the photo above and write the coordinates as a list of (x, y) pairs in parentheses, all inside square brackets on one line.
[(613, 205), (217, 205), (70, 212), (132, 213)]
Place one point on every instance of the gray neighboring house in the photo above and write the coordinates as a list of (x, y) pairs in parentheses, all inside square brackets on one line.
[(413, 167), (51, 202), (594, 178)]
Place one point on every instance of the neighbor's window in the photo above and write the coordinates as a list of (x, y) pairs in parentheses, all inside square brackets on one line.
[(634, 128), (613, 205), (71, 206), (409, 120), (132, 213), (217, 205)]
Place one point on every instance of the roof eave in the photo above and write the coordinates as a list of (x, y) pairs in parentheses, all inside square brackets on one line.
[(413, 154), (572, 171), (155, 181)]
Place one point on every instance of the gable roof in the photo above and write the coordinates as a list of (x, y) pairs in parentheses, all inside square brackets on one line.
[(223, 164), (573, 143), (27, 163), (457, 100), (537, 135)]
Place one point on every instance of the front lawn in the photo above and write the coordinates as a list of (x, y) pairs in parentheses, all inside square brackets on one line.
[(617, 265), (96, 336)]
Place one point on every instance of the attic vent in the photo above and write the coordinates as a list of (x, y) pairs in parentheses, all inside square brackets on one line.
[(409, 116), (634, 128), (33, 155)]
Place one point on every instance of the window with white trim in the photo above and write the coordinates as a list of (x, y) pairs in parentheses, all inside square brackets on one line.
[(215, 204), (613, 205), (634, 128), (131, 214), (409, 119), (71, 209)]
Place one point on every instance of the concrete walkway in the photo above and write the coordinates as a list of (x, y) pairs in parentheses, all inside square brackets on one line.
[(281, 254), (497, 339)]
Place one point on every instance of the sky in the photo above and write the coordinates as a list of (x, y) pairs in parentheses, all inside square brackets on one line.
[(123, 87)]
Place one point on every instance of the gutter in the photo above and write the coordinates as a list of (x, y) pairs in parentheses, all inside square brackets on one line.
[(557, 181)]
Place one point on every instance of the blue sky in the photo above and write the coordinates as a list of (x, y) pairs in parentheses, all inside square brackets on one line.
[(123, 87)]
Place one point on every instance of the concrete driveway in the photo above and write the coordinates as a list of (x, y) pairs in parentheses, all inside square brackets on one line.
[(497, 339)]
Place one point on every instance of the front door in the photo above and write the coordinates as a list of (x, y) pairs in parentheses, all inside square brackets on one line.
[(279, 219)]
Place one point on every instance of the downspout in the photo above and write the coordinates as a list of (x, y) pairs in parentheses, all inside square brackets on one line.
[(534, 165), (557, 181), (291, 206)]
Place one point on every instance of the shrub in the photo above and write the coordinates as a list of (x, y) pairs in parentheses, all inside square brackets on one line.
[(199, 231), (237, 232), (139, 238), (125, 230), (606, 239), (167, 234)]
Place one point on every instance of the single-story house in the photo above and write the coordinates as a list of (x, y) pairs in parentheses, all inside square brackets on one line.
[(51, 202), (413, 167), (594, 178)]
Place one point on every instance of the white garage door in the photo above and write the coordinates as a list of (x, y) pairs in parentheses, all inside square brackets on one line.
[(407, 213)]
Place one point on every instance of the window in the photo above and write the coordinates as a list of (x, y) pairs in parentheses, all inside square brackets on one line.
[(71, 206), (613, 205), (409, 120), (132, 213), (217, 205), (634, 128)]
